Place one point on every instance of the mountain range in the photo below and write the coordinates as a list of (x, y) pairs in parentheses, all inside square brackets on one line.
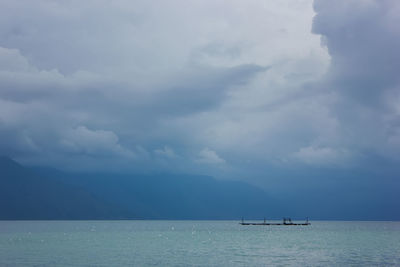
[(46, 194)]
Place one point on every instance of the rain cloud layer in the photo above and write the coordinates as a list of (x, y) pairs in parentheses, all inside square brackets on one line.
[(236, 89)]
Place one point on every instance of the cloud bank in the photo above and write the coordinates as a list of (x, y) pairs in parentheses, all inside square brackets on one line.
[(207, 86)]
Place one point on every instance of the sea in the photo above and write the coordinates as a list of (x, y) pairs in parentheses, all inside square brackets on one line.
[(198, 243)]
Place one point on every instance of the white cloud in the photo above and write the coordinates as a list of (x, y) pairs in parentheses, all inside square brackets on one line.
[(165, 152), (95, 143), (13, 61), (209, 156), (322, 156)]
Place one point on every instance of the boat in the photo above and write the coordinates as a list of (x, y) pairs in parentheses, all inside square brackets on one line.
[(285, 221)]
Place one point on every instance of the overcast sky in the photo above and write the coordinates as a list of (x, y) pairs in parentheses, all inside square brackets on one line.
[(225, 88)]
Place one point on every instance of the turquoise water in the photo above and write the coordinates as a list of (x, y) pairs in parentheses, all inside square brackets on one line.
[(197, 243)]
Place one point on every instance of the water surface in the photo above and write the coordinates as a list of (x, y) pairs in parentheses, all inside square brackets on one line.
[(197, 243)]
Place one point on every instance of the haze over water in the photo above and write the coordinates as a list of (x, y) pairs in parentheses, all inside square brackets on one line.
[(197, 243)]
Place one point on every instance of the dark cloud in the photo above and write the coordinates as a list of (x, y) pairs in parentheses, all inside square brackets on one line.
[(204, 90), (148, 87), (363, 40), (364, 43)]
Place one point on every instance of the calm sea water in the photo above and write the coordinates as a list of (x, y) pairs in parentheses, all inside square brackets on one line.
[(197, 243)]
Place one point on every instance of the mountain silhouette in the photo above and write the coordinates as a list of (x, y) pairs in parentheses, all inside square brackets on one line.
[(41, 193)]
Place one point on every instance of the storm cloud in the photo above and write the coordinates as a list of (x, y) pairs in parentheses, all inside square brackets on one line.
[(214, 87)]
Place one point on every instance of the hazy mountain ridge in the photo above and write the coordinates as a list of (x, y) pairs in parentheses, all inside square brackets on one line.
[(28, 193)]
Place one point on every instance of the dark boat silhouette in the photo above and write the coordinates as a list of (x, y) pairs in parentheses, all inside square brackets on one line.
[(285, 221)]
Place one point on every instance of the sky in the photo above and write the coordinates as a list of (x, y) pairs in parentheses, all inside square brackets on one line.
[(252, 90)]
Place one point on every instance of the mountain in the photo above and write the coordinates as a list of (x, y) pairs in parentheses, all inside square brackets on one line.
[(27, 193), (171, 196)]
